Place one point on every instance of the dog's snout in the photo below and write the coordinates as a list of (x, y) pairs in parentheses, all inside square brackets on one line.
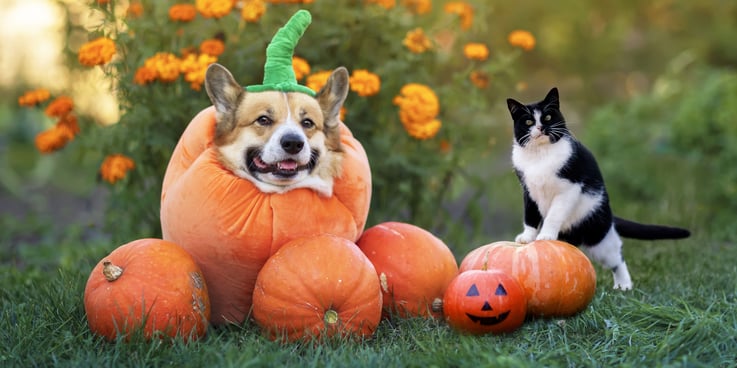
[(292, 143)]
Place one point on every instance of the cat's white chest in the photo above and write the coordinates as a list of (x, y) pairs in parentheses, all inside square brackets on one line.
[(540, 166)]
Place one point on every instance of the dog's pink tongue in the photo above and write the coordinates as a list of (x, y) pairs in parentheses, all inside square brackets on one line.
[(287, 165)]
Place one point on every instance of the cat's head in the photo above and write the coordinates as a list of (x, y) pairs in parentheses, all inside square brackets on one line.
[(538, 123)]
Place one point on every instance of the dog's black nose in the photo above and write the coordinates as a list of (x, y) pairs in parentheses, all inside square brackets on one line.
[(292, 143)]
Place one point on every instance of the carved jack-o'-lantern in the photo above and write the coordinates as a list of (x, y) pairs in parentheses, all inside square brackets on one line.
[(480, 302)]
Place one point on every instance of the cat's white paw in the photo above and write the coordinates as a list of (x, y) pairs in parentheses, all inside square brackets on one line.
[(622, 279), (547, 236), (524, 238)]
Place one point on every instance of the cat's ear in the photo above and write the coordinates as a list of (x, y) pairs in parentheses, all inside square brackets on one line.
[(552, 98), (515, 106)]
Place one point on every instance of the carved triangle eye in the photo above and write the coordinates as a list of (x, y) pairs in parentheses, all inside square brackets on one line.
[(500, 290), (473, 291)]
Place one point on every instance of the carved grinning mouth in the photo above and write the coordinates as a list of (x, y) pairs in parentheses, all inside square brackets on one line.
[(285, 168), (488, 321)]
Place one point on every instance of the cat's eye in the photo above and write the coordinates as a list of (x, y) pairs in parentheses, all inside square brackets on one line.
[(529, 122), (548, 117)]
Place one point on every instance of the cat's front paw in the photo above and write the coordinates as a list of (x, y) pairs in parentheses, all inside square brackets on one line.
[(547, 236)]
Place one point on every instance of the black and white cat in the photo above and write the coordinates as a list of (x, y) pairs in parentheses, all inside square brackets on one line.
[(564, 193)]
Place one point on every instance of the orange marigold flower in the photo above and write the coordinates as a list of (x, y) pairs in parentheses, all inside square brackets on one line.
[(316, 81), (97, 52), (522, 39), (145, 75), (166, 66), (69, 124), (445, 146), (253, 10), (212, 47), (364, 83), (59, 107), (301, 67), (34, 97), (52, 139), (193, 67), (386, 4), (476, 51), (135, 9), (418, 6), (463, 10), (418, 109), (423, 131), (479, 79), (115, 167), (416, 41), (182, 12), (214, 8)]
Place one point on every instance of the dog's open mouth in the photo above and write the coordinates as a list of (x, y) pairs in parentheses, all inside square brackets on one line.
[(285, 168)]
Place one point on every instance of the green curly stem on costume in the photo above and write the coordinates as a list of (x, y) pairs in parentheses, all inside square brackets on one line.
[(278, 70)]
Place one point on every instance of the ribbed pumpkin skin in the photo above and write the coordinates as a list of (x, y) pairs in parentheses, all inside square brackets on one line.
[(558, 278), (413, 265), (317, 287), (473, 304), (160, 285)]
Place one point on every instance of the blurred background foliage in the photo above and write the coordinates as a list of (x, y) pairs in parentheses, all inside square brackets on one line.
[(649, 87)]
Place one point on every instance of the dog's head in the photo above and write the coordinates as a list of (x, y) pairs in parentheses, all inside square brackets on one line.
[(279, 140)]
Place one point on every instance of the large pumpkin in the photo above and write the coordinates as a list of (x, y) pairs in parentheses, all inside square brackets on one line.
[(231, 228), (151, 284), (479, 302), (558, 278), (317, 287), (413, 265)]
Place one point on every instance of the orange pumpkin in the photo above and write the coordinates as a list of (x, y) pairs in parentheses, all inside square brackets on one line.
[(151, 284), (480, 302), (317, 287), (413, 265), (557, 277), (231, 228)]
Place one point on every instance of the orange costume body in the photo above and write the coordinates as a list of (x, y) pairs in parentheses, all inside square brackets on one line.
[(231, 228)]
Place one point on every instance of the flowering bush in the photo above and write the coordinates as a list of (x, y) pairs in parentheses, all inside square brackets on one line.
[(424, 76)]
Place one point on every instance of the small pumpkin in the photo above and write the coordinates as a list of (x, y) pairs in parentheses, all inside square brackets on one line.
[(480, 302), (148, 284), (558, 278), (317, 287), (413, 265)]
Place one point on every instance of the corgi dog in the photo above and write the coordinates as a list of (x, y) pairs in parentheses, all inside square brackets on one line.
[(279, 140)]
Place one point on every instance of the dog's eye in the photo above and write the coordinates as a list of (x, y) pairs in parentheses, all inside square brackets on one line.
[(529, 122), (548, 117), (307, 123), (264, 120)]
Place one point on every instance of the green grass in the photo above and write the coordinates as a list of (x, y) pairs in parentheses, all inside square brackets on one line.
[(682, 312)]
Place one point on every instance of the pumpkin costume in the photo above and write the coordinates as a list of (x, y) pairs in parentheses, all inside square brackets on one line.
[(228, 225)]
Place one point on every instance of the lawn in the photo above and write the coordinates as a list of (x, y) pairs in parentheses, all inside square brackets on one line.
[(682, 312)]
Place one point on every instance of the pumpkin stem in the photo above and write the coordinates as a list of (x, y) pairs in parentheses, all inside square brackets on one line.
[(437, 305), (111, 271), (485, 266), (331, 317)]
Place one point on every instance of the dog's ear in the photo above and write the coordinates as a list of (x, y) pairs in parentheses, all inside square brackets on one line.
[(332, 96), (225, 93)]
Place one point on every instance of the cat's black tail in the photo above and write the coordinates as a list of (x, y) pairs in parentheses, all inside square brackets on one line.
[(636, 230)]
